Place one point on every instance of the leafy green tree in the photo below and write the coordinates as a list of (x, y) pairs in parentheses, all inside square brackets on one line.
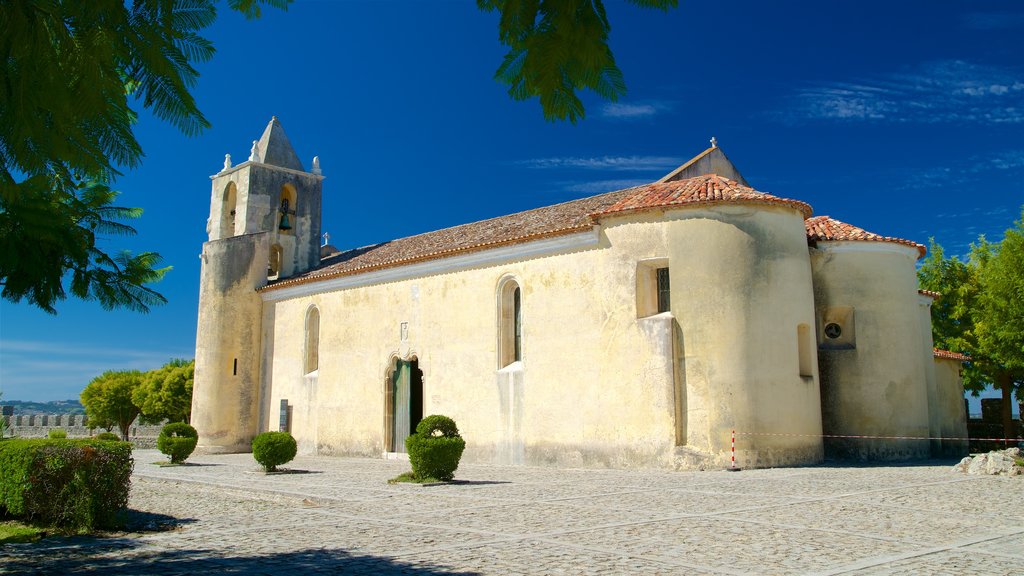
[(981, 313), (556, 48), (166, 393), (1000, 319), (108, 399), (70, 69), (953, 314)]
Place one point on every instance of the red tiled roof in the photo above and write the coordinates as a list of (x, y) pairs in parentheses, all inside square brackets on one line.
[(950, 355), (824, 229), (556, 220), (929, 293), (700, 190)]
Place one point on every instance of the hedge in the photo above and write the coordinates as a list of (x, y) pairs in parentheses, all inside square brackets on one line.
[(73, 485), (271, 449), (177, 440), (435, 449)]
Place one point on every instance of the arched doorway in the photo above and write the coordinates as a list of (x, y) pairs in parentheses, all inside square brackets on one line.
[(404, 405)]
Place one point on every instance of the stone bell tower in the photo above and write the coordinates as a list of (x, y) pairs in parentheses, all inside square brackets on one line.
[(264, 225)]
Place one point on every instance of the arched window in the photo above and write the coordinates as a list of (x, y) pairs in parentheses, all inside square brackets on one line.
[(510, 323), (229, 205), (286, 209), (274, 265), (312, 361)]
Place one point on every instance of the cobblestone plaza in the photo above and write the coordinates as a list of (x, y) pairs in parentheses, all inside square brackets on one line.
[(221, 514)]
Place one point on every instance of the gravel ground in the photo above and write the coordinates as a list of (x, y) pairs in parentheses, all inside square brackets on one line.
[(338, 515)]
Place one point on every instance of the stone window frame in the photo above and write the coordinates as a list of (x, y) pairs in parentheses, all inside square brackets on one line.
[(509, 320), (311, 341), (229, 210), (647, 301), (845, 318)]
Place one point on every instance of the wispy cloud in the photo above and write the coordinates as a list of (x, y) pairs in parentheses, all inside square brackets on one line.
[(40, 371), (601, 186), (613, 163), (994, 20), (948, 91), (963, 172), (621, 111)]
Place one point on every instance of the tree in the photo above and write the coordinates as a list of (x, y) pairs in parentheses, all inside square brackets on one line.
[(69, 70), (981, 312), (166, 393), (108, 399), (556, 48), (1000, 316), (953, 313)]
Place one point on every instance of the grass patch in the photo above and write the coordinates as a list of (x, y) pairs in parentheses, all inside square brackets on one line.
[(12, 532), (409, 477), (1019, 461)]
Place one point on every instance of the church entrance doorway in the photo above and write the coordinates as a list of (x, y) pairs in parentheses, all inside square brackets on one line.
[(405, 406)]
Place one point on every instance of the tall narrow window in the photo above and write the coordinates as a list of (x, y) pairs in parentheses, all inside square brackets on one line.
[(510, 322), (664, 293), (274, 264), (312, 340), (517, 310), (228, 208)]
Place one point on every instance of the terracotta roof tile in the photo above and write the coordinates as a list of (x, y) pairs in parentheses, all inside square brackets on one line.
[(950, 355), (556, 220), (707, 189), (929, 293), (824, 229)]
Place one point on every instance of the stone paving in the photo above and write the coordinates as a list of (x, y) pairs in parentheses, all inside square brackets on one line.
[(337, 515)]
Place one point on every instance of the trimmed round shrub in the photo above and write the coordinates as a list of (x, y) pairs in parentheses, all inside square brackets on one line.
[(107, 437), (271, 449), (57, 433), (435, 449), (177, 440)]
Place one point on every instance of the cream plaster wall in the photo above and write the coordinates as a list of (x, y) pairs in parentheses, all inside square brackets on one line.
[(951, 412), (879, 387), (924, 303), (225, 402), (596, 386), (741, 286)]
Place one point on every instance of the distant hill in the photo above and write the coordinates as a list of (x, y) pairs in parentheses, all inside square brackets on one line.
[(53, 407)]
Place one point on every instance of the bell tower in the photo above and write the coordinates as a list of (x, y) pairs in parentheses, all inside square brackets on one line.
[(264, 225)]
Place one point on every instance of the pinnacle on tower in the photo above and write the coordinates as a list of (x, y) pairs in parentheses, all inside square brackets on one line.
[(275, 149)]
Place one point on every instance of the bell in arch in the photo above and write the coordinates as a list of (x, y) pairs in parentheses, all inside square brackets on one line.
[(284, 224)]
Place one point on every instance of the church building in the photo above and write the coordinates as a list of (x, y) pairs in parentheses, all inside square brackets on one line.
[(643, 327)]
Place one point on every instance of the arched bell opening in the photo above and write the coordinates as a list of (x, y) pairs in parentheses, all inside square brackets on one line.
[(286, 210)]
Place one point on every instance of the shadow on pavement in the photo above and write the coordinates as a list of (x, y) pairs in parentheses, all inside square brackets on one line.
[(125, 556), (139, 521)]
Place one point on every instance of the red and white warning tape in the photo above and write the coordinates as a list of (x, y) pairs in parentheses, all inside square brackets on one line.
[(734, 449), (734, 433)]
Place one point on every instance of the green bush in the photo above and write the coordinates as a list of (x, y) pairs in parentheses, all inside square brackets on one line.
[(57, 433), (74, 485), (177, 440), (435, 449), (271, 449), (107, 437)]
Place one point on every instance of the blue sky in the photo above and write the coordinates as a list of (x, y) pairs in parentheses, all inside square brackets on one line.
[(904, 118)]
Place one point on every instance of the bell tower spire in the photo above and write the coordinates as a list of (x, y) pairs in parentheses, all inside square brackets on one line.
[(264, 225)]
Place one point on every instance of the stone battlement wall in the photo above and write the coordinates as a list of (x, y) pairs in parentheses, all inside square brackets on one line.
[(39, 426)]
